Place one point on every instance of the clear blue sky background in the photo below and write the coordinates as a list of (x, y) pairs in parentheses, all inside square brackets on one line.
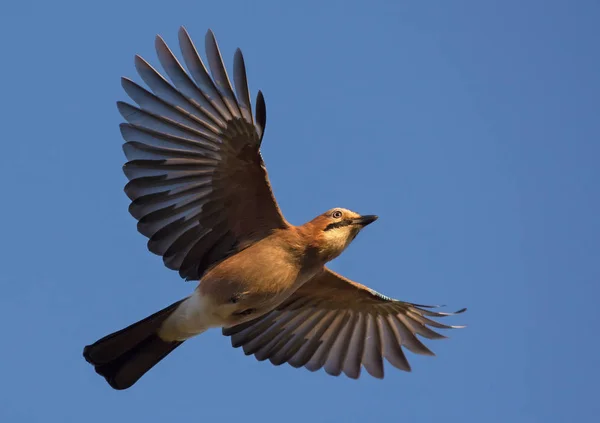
[(470, 127)]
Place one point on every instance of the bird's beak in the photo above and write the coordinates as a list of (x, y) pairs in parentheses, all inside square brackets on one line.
[(365, 220)]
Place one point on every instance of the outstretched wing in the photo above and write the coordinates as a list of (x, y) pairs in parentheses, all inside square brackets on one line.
[(197, 183), (338, 324)]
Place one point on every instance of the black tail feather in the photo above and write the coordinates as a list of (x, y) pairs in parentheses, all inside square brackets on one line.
[(125, 356)]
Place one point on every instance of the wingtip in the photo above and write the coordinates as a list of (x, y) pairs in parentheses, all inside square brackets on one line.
[(123, 129), (210, 36), (353, 376), (121, 104), (183, 32), (159, 41), (137, 59), (437, 313), (128, 85), (261, 113), (428, 352), (430, 306), (454, 313), (239, 63)]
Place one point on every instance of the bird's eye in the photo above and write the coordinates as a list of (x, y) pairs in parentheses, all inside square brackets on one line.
[(336, 214)]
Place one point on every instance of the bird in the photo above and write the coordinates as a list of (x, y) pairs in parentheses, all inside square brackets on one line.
[(200, 193)]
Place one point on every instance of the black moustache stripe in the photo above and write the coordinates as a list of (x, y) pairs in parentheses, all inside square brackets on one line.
[(339, 224)]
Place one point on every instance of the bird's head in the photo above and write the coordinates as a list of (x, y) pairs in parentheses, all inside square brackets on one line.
[(335, 229)]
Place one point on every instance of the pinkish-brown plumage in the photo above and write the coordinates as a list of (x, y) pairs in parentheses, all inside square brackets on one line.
[(200, 192)]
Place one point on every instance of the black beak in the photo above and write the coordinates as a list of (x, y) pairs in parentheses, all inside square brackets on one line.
[(365, 220)]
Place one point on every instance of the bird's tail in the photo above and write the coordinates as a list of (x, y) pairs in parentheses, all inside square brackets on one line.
[(125, 356)]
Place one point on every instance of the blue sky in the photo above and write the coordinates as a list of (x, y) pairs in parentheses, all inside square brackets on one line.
[(470, 127)]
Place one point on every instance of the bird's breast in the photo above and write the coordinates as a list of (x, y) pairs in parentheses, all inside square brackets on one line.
[(255, 281)]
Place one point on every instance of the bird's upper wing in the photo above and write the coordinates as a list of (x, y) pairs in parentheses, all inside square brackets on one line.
[(338, 324), (197, 182)]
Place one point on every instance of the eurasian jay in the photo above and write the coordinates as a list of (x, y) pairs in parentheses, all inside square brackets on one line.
[(200, 192)]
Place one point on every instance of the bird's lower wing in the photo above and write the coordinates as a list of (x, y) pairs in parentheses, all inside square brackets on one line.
[(334, 323)]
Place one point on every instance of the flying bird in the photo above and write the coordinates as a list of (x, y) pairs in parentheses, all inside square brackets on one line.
[(200, 193)]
